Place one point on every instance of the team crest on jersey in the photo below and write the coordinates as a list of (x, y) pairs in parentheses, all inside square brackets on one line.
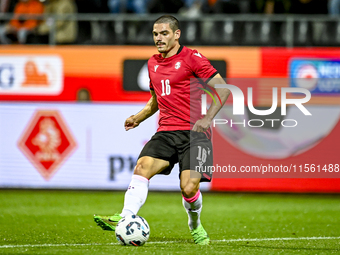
[(156, 66), (178, 65)]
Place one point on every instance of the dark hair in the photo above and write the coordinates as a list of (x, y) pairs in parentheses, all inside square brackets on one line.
[(168, 19)]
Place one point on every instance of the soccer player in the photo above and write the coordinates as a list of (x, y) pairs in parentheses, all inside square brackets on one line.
[(175, 76)]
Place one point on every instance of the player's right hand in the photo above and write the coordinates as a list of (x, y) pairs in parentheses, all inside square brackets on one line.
[(130, 123)]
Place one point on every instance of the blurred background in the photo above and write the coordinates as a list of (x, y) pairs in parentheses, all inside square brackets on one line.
[(203, 22), (72, 71)]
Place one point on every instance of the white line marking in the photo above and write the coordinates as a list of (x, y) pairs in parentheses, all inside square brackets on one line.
[(278, 239), (165, 242)]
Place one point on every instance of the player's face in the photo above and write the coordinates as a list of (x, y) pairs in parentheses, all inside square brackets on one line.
[(164, 38)]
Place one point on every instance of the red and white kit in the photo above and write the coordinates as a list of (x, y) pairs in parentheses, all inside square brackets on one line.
[(175, 81)]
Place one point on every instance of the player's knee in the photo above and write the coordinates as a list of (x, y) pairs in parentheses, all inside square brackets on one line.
[(141, 168), (190, 189)]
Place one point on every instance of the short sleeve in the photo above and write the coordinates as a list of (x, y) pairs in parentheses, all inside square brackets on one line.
[(201, 66), (150, 83), (151, 86)]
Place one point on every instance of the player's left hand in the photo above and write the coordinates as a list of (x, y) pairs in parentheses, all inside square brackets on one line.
[(201, 125)]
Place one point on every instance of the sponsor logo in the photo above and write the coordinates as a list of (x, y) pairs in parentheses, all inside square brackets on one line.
[(34, 78), (31, 75), (307, 77), (6, 76), (120, 164), (47, 142), (156, 66), (318, 76)]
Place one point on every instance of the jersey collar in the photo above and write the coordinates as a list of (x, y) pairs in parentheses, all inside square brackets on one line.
[(179, 50), (159, 56)]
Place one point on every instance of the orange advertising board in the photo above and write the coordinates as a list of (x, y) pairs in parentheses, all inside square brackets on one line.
[(108, 60), (99, 69)]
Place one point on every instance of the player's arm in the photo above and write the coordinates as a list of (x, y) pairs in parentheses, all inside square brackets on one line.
[(204, 123), (149, 109)]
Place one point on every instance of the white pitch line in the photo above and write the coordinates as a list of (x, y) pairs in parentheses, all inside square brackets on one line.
[(165, 242), (78, 244), (278, 239), (51, 245)]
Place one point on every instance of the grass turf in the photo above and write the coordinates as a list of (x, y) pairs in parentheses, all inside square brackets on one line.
[(61, 222)]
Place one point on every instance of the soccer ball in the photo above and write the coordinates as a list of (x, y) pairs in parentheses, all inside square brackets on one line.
[(132, 230)]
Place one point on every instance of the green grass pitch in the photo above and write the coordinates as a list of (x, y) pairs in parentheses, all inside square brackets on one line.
[(61, 222)]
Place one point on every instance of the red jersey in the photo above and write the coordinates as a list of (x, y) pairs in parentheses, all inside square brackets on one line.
[(176, 82)]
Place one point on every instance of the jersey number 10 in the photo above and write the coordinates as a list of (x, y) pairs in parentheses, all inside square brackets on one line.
[(166, 89)]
